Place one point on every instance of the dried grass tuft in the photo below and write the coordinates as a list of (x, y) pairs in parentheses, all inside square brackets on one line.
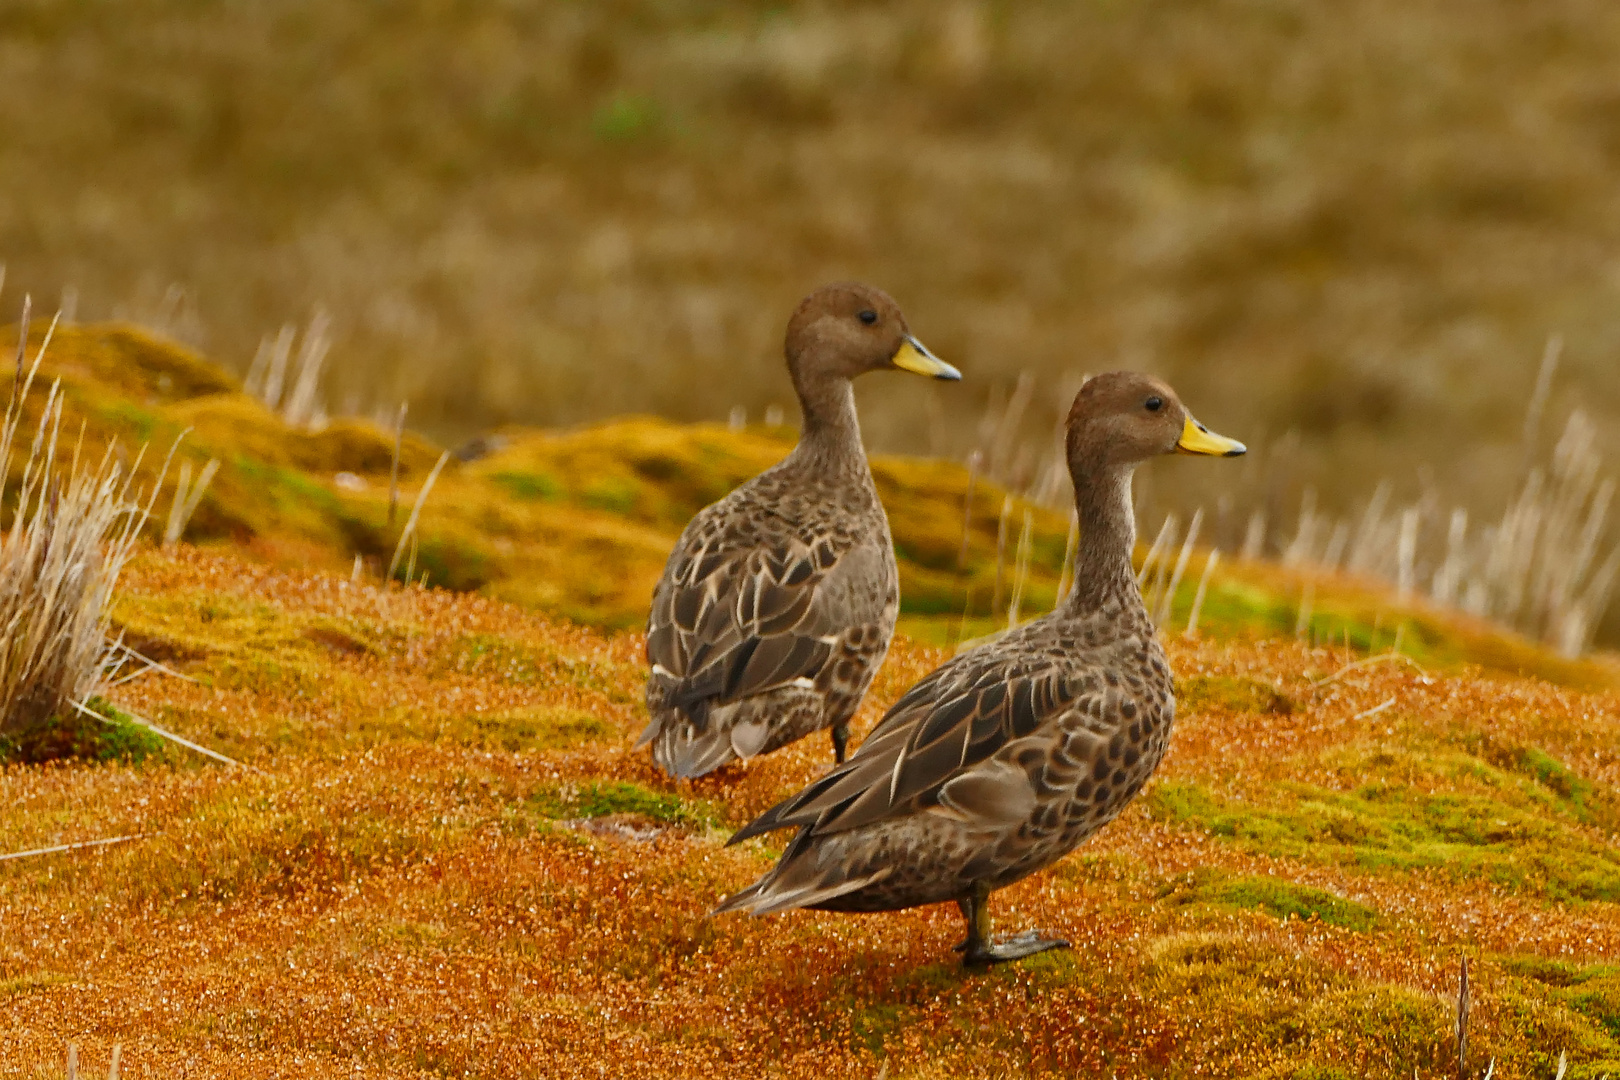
[(73, 527)]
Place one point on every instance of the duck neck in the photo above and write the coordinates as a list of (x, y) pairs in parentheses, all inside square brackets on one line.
[(1103, 573), (830, 441)]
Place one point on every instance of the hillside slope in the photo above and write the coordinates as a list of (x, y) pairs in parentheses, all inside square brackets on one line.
[(446, 860), (579, 523)]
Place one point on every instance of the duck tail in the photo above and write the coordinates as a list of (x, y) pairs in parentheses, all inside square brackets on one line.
[(798, 880), (687, 751)]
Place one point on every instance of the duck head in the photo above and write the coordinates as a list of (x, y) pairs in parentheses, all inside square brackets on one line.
[(1123, 418), (844, 330)]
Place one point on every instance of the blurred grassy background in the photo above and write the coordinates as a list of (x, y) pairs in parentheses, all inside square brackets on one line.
[(1359, 220)]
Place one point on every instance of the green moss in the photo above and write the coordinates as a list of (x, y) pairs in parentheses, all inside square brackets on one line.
[(605, 798), (1281, 899), (1599, 998), (28, 984), (626, 118), (1391, 1023), (1539, 1028), (874, 1023), (110, 736), (1237, 694), (1589, 802), (615, 495), (531, 486), (1517, 846), (544, 728)]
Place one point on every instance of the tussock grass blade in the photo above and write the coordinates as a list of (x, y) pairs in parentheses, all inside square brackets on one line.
[(1203, 587), (393, 468), (1071, 548), (409, 532), (187, 497), (1026, 542), (165, 734), (1167, 597), (58, 848), (301, 403), (1463, 1005), (1001, 554)]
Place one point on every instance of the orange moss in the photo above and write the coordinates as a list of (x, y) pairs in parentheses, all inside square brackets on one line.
[(454, 862)]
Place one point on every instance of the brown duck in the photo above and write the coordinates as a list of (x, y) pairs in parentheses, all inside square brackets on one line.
[(776, 607), (1003, 760)]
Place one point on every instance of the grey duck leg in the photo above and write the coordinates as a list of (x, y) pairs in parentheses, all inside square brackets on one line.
[(840, 737), (979, 950)]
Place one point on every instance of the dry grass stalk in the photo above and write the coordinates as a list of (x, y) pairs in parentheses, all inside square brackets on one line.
[(1550, 356), (1203, 587), (1071, 547), (302, 408), (408, 534), (1167, 595), (1001, 553), (70, 847), (1463, 1004), (267, 376), (1166, 536), (163, 733), (187, 497), (975, 459), (393, 468), (112, 1068), (1254, 536), (1548, 567), (1026, 543), (73, 528)]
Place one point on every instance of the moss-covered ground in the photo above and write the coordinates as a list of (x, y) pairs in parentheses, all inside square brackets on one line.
[(444, 858)]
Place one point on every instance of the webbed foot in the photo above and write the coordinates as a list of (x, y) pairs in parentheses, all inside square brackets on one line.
[(982, 953)]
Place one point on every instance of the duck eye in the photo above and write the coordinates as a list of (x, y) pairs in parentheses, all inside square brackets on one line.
[(1154, 404), (868, 316)]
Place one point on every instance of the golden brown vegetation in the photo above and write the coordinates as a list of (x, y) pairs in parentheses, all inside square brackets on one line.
[(453, 864), (442, 857), (579, 522)]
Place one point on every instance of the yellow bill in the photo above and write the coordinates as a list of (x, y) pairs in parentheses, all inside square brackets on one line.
[(1198, 439), (914, 356)]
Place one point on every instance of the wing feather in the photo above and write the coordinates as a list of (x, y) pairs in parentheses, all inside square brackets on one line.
[(933, 746), (737, 615)]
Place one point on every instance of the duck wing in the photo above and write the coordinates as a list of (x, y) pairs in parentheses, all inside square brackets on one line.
[(935, 746), (736, 616)]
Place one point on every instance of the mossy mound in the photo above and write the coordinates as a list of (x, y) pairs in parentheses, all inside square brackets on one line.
[(580, 522), (1445, 813), (1279, 898)]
